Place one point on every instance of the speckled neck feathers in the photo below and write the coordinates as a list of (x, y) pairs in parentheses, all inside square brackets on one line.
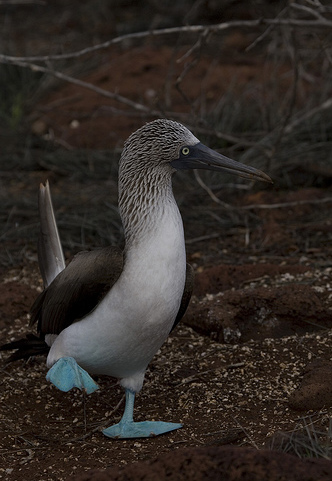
[(145, 173)]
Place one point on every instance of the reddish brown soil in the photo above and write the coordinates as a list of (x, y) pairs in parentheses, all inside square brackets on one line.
[(77, 117), (253, 355), (215, 464)]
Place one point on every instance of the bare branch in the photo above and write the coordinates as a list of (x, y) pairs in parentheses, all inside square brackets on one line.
[(209, 191), (195, 47), (138, 107), (193, 29), (237, 141), (308, 10), (22, 2), (265, 33), (136, 36), (111, 95), (282, 205), (324, 106), (99, 427)]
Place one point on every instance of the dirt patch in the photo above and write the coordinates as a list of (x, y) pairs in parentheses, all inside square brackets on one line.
[(214, 464), (223, 393), (15, 302), (314, 391), (263, 304), (223, 277)]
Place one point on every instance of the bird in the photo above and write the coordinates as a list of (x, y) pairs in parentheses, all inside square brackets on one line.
[(110, 310)]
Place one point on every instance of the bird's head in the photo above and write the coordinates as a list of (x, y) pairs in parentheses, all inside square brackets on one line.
[(171, 145)]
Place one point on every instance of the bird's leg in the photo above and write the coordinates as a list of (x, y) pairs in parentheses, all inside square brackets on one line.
[(66, 374), (127, 428)]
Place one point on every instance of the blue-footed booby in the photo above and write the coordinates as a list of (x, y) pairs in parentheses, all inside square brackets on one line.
[(108, 312)]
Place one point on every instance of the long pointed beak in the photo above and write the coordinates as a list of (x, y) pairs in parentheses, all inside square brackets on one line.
[(200, 156)]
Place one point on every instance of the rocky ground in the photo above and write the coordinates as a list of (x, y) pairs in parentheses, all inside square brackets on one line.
[(251, 359), (248, 370)]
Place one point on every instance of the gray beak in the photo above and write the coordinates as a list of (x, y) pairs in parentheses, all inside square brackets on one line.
[(200, 156)]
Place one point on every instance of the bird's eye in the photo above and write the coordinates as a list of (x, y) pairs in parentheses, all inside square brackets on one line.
[(185, 151)]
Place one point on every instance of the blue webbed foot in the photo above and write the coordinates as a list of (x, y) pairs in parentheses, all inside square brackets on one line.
[(66, 374), (143, 429), (127, 428)]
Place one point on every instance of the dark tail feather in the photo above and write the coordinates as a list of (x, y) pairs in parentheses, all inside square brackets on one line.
[(31, 345)]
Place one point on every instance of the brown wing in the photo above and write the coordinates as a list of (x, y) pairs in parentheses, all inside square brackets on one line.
[(188, 290), (77, 290)]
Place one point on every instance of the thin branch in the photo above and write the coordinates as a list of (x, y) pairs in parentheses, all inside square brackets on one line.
[(135, 105), (291, 101), (324, 106), (195, 47), (287, 204), (322, 23), (111, 95), (247, 434), (202, 238), (237, 141), (209, 191), (99, 427), (308, 10), (21, 2), (193, 377), (193, 29), (265, 33), (136, 36), (265, 144)]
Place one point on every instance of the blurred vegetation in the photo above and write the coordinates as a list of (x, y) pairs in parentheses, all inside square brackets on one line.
[(17, 87), (281, 125), (306, 440)]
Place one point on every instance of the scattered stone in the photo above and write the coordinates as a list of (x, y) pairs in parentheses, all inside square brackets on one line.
[(315, 391)]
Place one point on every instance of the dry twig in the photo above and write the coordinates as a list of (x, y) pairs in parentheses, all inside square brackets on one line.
[(99, 427), (287, 204), (209, 191), (318, 23)]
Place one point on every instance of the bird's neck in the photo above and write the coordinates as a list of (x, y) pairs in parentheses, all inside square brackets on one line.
[(146, 204), (154, 254)]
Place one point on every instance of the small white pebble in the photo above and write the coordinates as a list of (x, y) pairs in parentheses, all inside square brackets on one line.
[(74, 124)]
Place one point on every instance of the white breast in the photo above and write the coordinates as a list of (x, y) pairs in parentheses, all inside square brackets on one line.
[(120, 337)]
